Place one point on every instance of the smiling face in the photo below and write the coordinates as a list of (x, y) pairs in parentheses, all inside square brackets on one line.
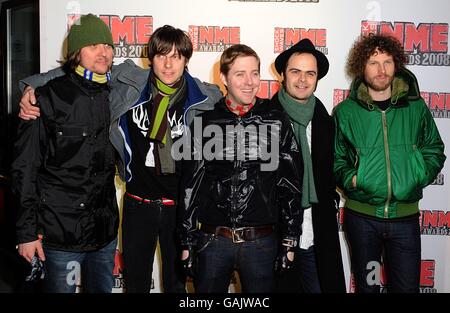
[(169, 67), (242, 80), (97, 58), (300, 76)]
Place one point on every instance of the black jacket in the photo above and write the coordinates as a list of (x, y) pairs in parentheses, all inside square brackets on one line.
[(324, 214), (234, 189), (63, 172)]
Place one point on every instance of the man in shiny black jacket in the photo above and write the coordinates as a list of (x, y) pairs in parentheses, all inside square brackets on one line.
[(242, 186)]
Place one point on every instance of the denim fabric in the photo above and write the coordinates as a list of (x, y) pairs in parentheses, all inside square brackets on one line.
[(218, 257), (306, 261), (63, 269), (302, 277), (398, 241)]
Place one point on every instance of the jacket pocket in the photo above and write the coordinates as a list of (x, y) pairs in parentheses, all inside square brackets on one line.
[(62, 224), (371, 182), (419, 168), (407, 168), (360, 170), (70, 146)]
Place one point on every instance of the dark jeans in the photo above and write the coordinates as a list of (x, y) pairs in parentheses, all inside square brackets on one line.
[(218, 257), (143, 225), (63, 269), (303, 276), (400, 242)]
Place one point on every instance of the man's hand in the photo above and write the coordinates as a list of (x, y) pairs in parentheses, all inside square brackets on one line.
[(187, 260), (29, 249), (28, 108), (285, 257)]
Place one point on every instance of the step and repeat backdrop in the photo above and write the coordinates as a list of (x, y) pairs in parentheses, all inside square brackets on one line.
[(270, 27)]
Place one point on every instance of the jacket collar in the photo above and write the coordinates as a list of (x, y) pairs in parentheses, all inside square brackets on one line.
[(404, 88)]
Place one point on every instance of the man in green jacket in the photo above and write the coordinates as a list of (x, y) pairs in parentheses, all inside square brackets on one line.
[(387, 150)]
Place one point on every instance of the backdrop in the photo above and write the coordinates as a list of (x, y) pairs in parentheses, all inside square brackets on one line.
[(271, 26)]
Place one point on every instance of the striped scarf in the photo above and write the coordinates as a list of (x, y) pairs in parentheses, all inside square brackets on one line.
[(160, 105), (98, 78)]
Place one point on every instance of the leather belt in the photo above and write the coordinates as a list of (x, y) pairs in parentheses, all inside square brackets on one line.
[(163, 201), (239, 235)]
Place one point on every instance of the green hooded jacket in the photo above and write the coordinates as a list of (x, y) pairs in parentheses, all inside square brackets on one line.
[(394, 153)]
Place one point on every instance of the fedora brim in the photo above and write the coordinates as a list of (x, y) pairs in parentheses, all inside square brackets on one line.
[(322, 61)]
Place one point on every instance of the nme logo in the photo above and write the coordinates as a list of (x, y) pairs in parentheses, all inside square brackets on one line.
[(438, 103), (214, 38), (130, 33), (268, 89), (425, 44), (284, 38), (340, 95), (435, 222)]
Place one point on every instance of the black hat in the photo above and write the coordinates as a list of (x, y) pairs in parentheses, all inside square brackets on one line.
[(304, 45)]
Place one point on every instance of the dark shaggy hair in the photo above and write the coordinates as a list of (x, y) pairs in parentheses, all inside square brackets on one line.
[(163, 40), (366, 46)]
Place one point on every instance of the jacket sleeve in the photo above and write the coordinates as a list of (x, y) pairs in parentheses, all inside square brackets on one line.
[(289, 183), (431, 147), (191, 180), (344, 158), (40, 79), (30, 143)]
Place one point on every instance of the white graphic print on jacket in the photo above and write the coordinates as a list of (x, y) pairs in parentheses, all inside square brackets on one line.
[(140, 118)]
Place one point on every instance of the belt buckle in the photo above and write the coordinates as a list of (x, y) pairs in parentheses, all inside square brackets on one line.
[(237, 235)]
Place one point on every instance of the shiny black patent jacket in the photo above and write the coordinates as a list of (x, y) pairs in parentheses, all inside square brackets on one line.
[(230, 187), (64, 168)]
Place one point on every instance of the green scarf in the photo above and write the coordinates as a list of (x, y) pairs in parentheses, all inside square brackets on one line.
[(301, 115), (164, 97), (158, 119)]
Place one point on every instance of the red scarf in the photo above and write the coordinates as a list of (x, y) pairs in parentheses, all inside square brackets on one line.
[(238, 109)]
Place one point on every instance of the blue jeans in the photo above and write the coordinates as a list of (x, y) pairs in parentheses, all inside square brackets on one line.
[(63, 268), (400, 242), (303, 277), (218, 257), (306, 261)]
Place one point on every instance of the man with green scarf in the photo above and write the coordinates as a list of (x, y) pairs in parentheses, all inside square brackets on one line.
[(317, 266)]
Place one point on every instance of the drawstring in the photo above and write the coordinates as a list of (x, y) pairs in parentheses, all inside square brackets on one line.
[(396, 99)]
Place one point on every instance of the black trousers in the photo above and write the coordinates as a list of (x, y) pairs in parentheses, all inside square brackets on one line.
[(143, 225)]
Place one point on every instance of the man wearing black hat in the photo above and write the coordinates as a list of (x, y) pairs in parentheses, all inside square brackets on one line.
[(317, 265)]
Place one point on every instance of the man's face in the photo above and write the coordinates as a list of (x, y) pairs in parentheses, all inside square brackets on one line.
[(242, 80), (169, 67), (379, 71), (97, 58), (300, 79)]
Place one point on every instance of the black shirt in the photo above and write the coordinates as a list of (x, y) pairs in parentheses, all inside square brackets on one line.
[(383, 105), (144, 182)]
